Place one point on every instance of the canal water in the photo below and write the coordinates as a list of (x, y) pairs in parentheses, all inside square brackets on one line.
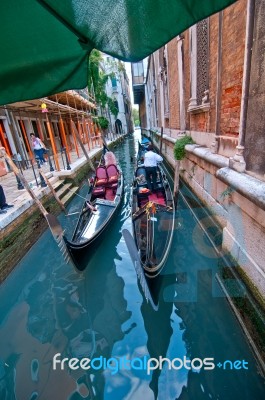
[(48, 309)]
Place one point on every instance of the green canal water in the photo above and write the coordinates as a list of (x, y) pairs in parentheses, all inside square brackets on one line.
[(46, 308)]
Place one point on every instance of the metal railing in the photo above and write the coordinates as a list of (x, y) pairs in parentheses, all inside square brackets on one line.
[(24, 164), (27, 164)]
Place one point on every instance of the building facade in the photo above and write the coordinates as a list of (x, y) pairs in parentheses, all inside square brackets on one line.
[(209, 82), (117, 88), (56, 119)]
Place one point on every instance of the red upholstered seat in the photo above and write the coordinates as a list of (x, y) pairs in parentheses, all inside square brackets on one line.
[(113, 173), (99, 191), (113, 186), (113, 179), (100, 182), (101, 176)]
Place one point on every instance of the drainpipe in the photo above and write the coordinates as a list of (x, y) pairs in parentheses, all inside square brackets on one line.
[(215, 144), (238, 162)]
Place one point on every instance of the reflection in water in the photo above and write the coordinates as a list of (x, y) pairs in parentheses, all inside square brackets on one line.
[(47, 308), (63, 312)]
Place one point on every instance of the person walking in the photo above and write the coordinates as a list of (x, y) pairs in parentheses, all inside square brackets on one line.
[(38, 148), (150, 162), (3, 204)]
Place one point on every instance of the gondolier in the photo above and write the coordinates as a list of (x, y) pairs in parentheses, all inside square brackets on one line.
[(152, 214), (150, 162)]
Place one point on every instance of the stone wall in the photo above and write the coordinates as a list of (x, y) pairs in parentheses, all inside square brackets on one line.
[(20, 235), (236, 201)]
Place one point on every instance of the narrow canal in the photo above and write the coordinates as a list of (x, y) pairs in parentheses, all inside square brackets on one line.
[(47, 308)]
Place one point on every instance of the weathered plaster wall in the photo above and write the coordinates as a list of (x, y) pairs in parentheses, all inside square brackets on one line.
[(174, 117), (142, 113)]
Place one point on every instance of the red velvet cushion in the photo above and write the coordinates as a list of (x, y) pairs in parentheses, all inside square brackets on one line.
[(113, 179), (101, 182), (101, 173), (99, 190)]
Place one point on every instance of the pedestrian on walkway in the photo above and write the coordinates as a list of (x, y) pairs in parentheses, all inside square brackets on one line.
[(3, 204), (150, 162), (38, 148)]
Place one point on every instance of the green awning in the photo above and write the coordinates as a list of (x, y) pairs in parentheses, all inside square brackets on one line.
[(45, 43)]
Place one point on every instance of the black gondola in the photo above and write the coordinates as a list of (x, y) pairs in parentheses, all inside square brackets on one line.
[(100, 206), (153, 217)]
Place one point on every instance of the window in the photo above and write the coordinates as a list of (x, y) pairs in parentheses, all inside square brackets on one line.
[(199, 62), (138, 73), (114, 81), (116, 104), (202, 60)]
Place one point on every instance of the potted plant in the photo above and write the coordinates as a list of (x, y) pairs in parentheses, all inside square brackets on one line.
[(179, 154)]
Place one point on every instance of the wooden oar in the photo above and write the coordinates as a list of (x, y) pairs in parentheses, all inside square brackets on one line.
[(137, 265), (82, 146), (52, 190), (53, 222)]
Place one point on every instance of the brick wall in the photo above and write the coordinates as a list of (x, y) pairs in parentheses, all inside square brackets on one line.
[(234, 23), (233, 48)]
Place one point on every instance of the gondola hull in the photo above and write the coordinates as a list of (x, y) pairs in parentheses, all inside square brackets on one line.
[(153, 216), (93, 222), (153, 219)]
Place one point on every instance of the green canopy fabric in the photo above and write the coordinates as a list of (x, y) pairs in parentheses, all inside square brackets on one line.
[(45, 43)]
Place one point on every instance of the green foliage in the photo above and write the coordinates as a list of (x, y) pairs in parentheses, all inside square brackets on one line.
[(93, 70), (97, 80), (227, 193), (179, 147), (103, 122), (135, 115), (112, 107)]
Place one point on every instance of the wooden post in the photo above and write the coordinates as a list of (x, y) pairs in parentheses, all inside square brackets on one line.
[(25, 137), (89, 128), (62, 131), (53, 191), (161, 139), (83, 147), (84, 125), (53, 144), (3, 139), (73, 131), (79, 130), (176, 180)]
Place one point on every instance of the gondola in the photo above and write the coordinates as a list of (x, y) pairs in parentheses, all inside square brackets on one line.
[(153, 217), (99, 208)]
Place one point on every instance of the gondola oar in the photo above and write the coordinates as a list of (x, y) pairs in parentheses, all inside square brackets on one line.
[(137, 265), (52, 189), (54, 224)]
